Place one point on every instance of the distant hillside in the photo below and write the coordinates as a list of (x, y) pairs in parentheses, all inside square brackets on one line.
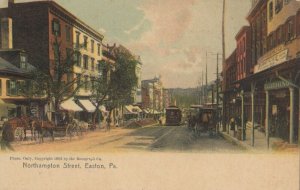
[(184, 96)]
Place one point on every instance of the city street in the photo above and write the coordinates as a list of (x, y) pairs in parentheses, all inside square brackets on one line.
[(155, 138)]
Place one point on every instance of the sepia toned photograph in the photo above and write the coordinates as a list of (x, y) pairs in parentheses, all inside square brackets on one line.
[(149, 94)]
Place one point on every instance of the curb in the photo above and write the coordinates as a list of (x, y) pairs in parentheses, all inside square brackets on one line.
[(237, 142)]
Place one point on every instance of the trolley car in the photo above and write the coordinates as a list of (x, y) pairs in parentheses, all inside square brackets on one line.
[(173, 116)]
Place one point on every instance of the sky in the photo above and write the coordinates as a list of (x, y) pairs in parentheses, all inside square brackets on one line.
[(171, 36)]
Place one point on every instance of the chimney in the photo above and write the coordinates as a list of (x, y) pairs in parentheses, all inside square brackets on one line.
[(6, 33)]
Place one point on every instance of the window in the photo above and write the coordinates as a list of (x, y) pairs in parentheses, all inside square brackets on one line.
[(77, 39), (271, 11), (85, 42), (0, 87), (278, 6), (69, 54), (11, 88), (93, 64), (23, 62), (99, 49), (298, 23), (69, 77), (92, 46), (68, 33), (92, 83), (290, 29), (86, 83), (55, 27), (78, 78), (85, 62), (77, 59)]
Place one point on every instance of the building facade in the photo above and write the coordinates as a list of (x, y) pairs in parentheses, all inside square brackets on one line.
[(270, 91)]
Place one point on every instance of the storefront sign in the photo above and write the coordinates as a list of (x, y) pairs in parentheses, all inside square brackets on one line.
[(272, 58), (278, 84)]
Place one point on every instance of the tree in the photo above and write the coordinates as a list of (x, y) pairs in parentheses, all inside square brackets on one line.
[(56, 82), (117, 89)]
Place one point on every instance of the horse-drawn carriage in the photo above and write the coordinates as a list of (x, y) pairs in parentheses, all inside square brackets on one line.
[(203, 119), (40, 128)]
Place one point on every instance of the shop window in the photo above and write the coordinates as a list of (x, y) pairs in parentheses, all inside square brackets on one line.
[(270, 10), (55, 27)]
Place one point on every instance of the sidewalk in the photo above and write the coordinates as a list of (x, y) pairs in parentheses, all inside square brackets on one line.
[(260, 142)]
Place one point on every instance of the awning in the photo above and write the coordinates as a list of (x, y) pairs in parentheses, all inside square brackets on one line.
[(130, 109), (102, 109), (88, 106), (70, 105), (7, 105)]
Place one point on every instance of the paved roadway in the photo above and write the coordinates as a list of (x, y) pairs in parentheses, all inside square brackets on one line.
[(155, 138)]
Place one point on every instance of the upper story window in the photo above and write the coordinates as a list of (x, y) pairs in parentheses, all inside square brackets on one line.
[(11, 88), (55, 27), (69, 54), (77, 59), (86, 83), (23, 62), (298, 23), (290, 29), (270, 10), (0, 87), (93, 64), (68, 33), (92, 46), (85, 39), (77, 39), (99, 49), (278, 6), (85, 62)]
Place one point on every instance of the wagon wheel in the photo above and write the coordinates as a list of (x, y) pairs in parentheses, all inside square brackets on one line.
[(19, 133)]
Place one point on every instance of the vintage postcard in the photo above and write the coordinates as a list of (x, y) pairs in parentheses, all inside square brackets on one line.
[(149, 94)]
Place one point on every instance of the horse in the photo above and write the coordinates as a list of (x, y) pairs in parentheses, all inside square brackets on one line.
[(41, 127), (20, 125)]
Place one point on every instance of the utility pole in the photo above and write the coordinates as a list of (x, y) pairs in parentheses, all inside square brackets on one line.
[(217, 82), (205, 95), (223, 64)]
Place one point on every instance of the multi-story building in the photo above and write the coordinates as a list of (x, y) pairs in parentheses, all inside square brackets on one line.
[(152, 94), (272, 84), (46, 23), (13, 99)]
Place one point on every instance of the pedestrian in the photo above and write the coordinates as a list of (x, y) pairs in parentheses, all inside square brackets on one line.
[(108, 121), (7, 136)]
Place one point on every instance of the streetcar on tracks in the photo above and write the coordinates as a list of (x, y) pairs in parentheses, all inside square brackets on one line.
[(173, 116)]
